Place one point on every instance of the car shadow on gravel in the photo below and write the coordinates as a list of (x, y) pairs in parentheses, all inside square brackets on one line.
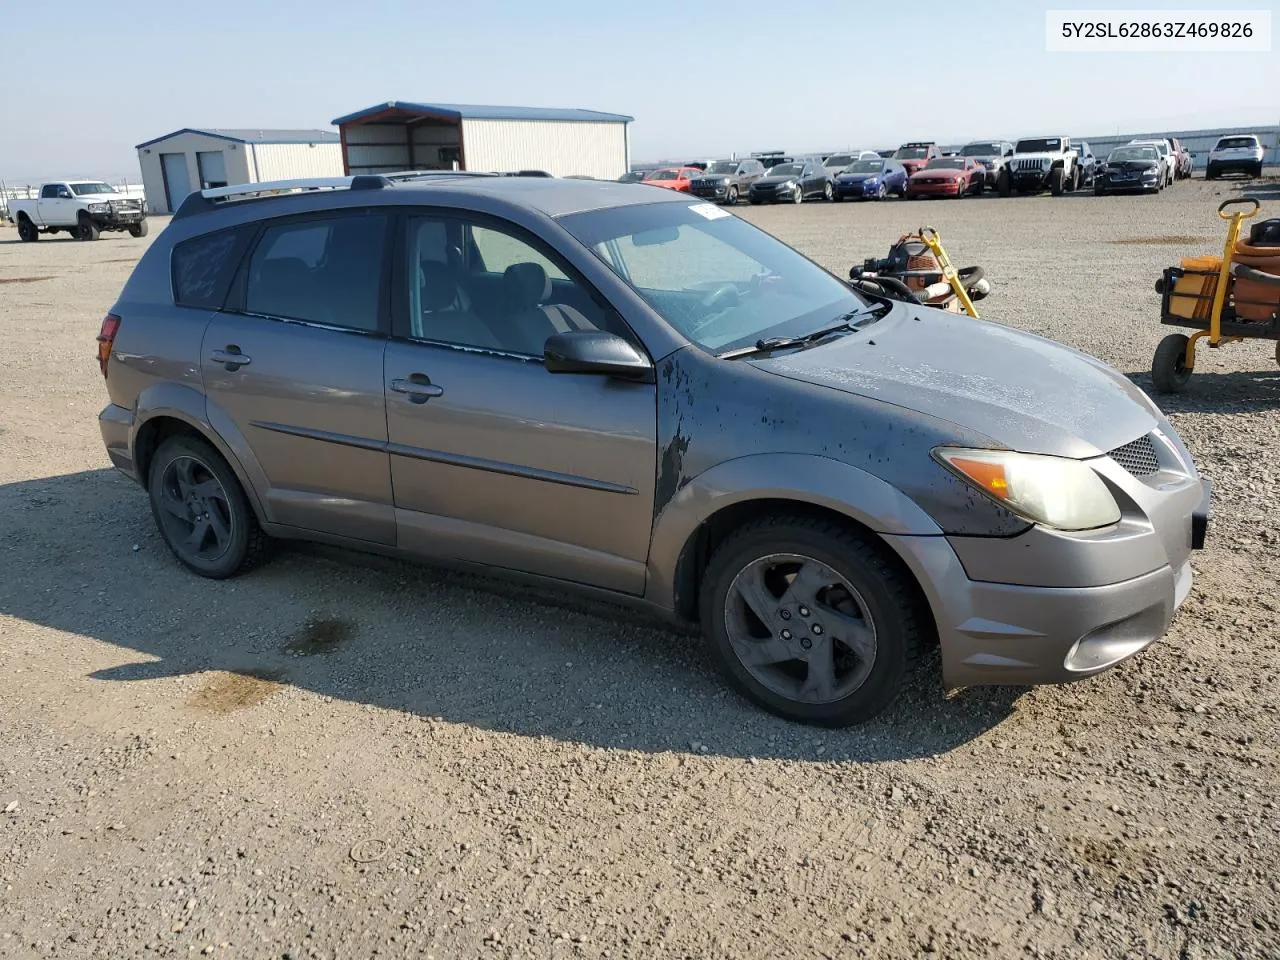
[(1213, 392), (82, 556)]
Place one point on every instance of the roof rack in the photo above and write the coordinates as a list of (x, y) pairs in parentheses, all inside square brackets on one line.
[(204, 200)]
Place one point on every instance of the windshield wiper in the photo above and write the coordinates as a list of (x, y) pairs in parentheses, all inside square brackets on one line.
[(853, 320)]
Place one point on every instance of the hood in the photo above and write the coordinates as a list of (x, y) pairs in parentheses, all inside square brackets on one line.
[(1027, 393), (712, 177), (859, 177), (774, 180), (104, 197), (942, 173), (1133, 165)]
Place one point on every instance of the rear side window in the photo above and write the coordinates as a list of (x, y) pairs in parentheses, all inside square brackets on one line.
[(203, 267), (326, 271)]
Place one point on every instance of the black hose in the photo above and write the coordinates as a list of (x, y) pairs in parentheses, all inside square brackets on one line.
[(889, 287)]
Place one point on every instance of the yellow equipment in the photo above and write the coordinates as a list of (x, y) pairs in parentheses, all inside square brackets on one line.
[(930, 236), (1204, 293)]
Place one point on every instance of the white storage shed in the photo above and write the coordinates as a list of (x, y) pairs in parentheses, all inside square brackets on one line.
[(187, 160), (399, 135)]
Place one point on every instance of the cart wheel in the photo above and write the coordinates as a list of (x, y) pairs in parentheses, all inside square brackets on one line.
[(1169, 370), (1160, 285), (1278, 351)]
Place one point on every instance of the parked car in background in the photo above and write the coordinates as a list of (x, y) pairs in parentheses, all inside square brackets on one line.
[(947, 177), (633, 176), (1182, 170), (916, 154), (992, 154), (839, 161), (1134, 167), (886, 154), (1165, 147), (81, 208), (1235, 154), (793, 183), (870, 179), (771, 158), (612, 390), (673, 178), (698, 164), (1087, 162), (1039, 164), (725, 181)]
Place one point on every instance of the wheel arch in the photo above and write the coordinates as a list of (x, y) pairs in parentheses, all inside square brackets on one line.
[(169, 409), (714, 504)]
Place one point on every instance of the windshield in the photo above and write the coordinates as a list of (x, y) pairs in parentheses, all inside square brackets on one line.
[(1159, 145), (786, 170), (720, 281), (910, 153), (664, 175), (723, 166), (1121, 154), (84, 189), (866, 166), (945, 163), (1229, 143), (1045, 145), (839, 160), (981, 150)]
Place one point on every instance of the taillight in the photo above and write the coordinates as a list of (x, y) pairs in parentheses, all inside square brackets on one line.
[(106, 337)]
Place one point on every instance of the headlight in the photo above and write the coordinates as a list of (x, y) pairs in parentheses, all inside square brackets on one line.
[(1055, 491), (871, 182), (99, 207)]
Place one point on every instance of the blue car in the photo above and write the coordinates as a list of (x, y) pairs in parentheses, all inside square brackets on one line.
[(871, 180)]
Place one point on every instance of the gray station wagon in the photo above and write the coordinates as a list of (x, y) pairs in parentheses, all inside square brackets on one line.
[(639, 394)]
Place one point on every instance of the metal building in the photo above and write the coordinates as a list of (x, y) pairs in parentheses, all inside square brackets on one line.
[(186, 160), (445, 136)]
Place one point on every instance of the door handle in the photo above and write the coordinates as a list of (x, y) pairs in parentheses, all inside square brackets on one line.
[(418, 388), (231, 358)]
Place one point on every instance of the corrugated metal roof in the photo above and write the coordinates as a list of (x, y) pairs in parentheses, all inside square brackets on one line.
[(252, 136), (464, 111)]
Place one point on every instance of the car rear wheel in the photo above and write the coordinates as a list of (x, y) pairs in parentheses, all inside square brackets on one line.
[(1169, 370), (810, 620), (201, 510), (27, 231)]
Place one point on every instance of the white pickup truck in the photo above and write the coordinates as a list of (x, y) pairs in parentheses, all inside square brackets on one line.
[(83, 208)]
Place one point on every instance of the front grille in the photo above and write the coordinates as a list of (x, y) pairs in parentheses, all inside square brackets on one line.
[(1138, 457), (1028, 165)]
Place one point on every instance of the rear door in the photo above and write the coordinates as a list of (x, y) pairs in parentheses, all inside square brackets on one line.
[(293, 364), (494, 460)]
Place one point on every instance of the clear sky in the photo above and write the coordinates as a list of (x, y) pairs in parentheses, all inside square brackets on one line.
[(81, 83)]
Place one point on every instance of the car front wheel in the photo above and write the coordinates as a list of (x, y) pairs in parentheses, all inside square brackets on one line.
[(201, 509), (810, 620)]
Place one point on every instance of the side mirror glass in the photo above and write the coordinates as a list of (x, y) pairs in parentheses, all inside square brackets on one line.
[(595, 351)]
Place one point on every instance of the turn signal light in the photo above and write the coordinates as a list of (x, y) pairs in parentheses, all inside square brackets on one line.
[(107, 337)]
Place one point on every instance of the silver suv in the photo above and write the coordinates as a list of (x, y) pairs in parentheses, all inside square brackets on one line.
[(636, 393)]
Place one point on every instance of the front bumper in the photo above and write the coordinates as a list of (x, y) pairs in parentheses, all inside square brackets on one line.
[(949, 189), (1029, 180), (1109, 184), (116, 424), (772, 196), (855, 191), (718, 192), (1020, 633)]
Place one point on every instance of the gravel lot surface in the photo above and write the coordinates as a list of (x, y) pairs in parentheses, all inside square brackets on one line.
[(336, 757)]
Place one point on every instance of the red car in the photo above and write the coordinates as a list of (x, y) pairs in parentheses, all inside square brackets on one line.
[(947, 177), (673, 178), (916, 154)]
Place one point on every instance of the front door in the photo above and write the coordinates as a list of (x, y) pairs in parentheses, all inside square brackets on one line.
[(295, 364), (495, 460), (177, 180)]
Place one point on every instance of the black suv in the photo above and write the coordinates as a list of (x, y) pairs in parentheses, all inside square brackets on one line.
[(725, 181)]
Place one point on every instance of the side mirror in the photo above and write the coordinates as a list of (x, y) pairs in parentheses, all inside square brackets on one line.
[(1008, 153), (595, 351)]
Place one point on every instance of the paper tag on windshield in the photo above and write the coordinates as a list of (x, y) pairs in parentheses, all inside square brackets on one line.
[(709, 210)]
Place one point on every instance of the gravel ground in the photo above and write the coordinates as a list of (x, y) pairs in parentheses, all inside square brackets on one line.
[(335, 757)]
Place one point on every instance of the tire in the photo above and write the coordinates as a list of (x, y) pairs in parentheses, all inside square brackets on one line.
[(1278, 351), (881, 192), (1209, 172), (1169, 371), (138, 229), (1257, 171), (189, 480), (1097, 191), (1055, 181), (1003, 186), (87, 230), (799, 197), (870, 596), (827, 192), (28, 232)]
